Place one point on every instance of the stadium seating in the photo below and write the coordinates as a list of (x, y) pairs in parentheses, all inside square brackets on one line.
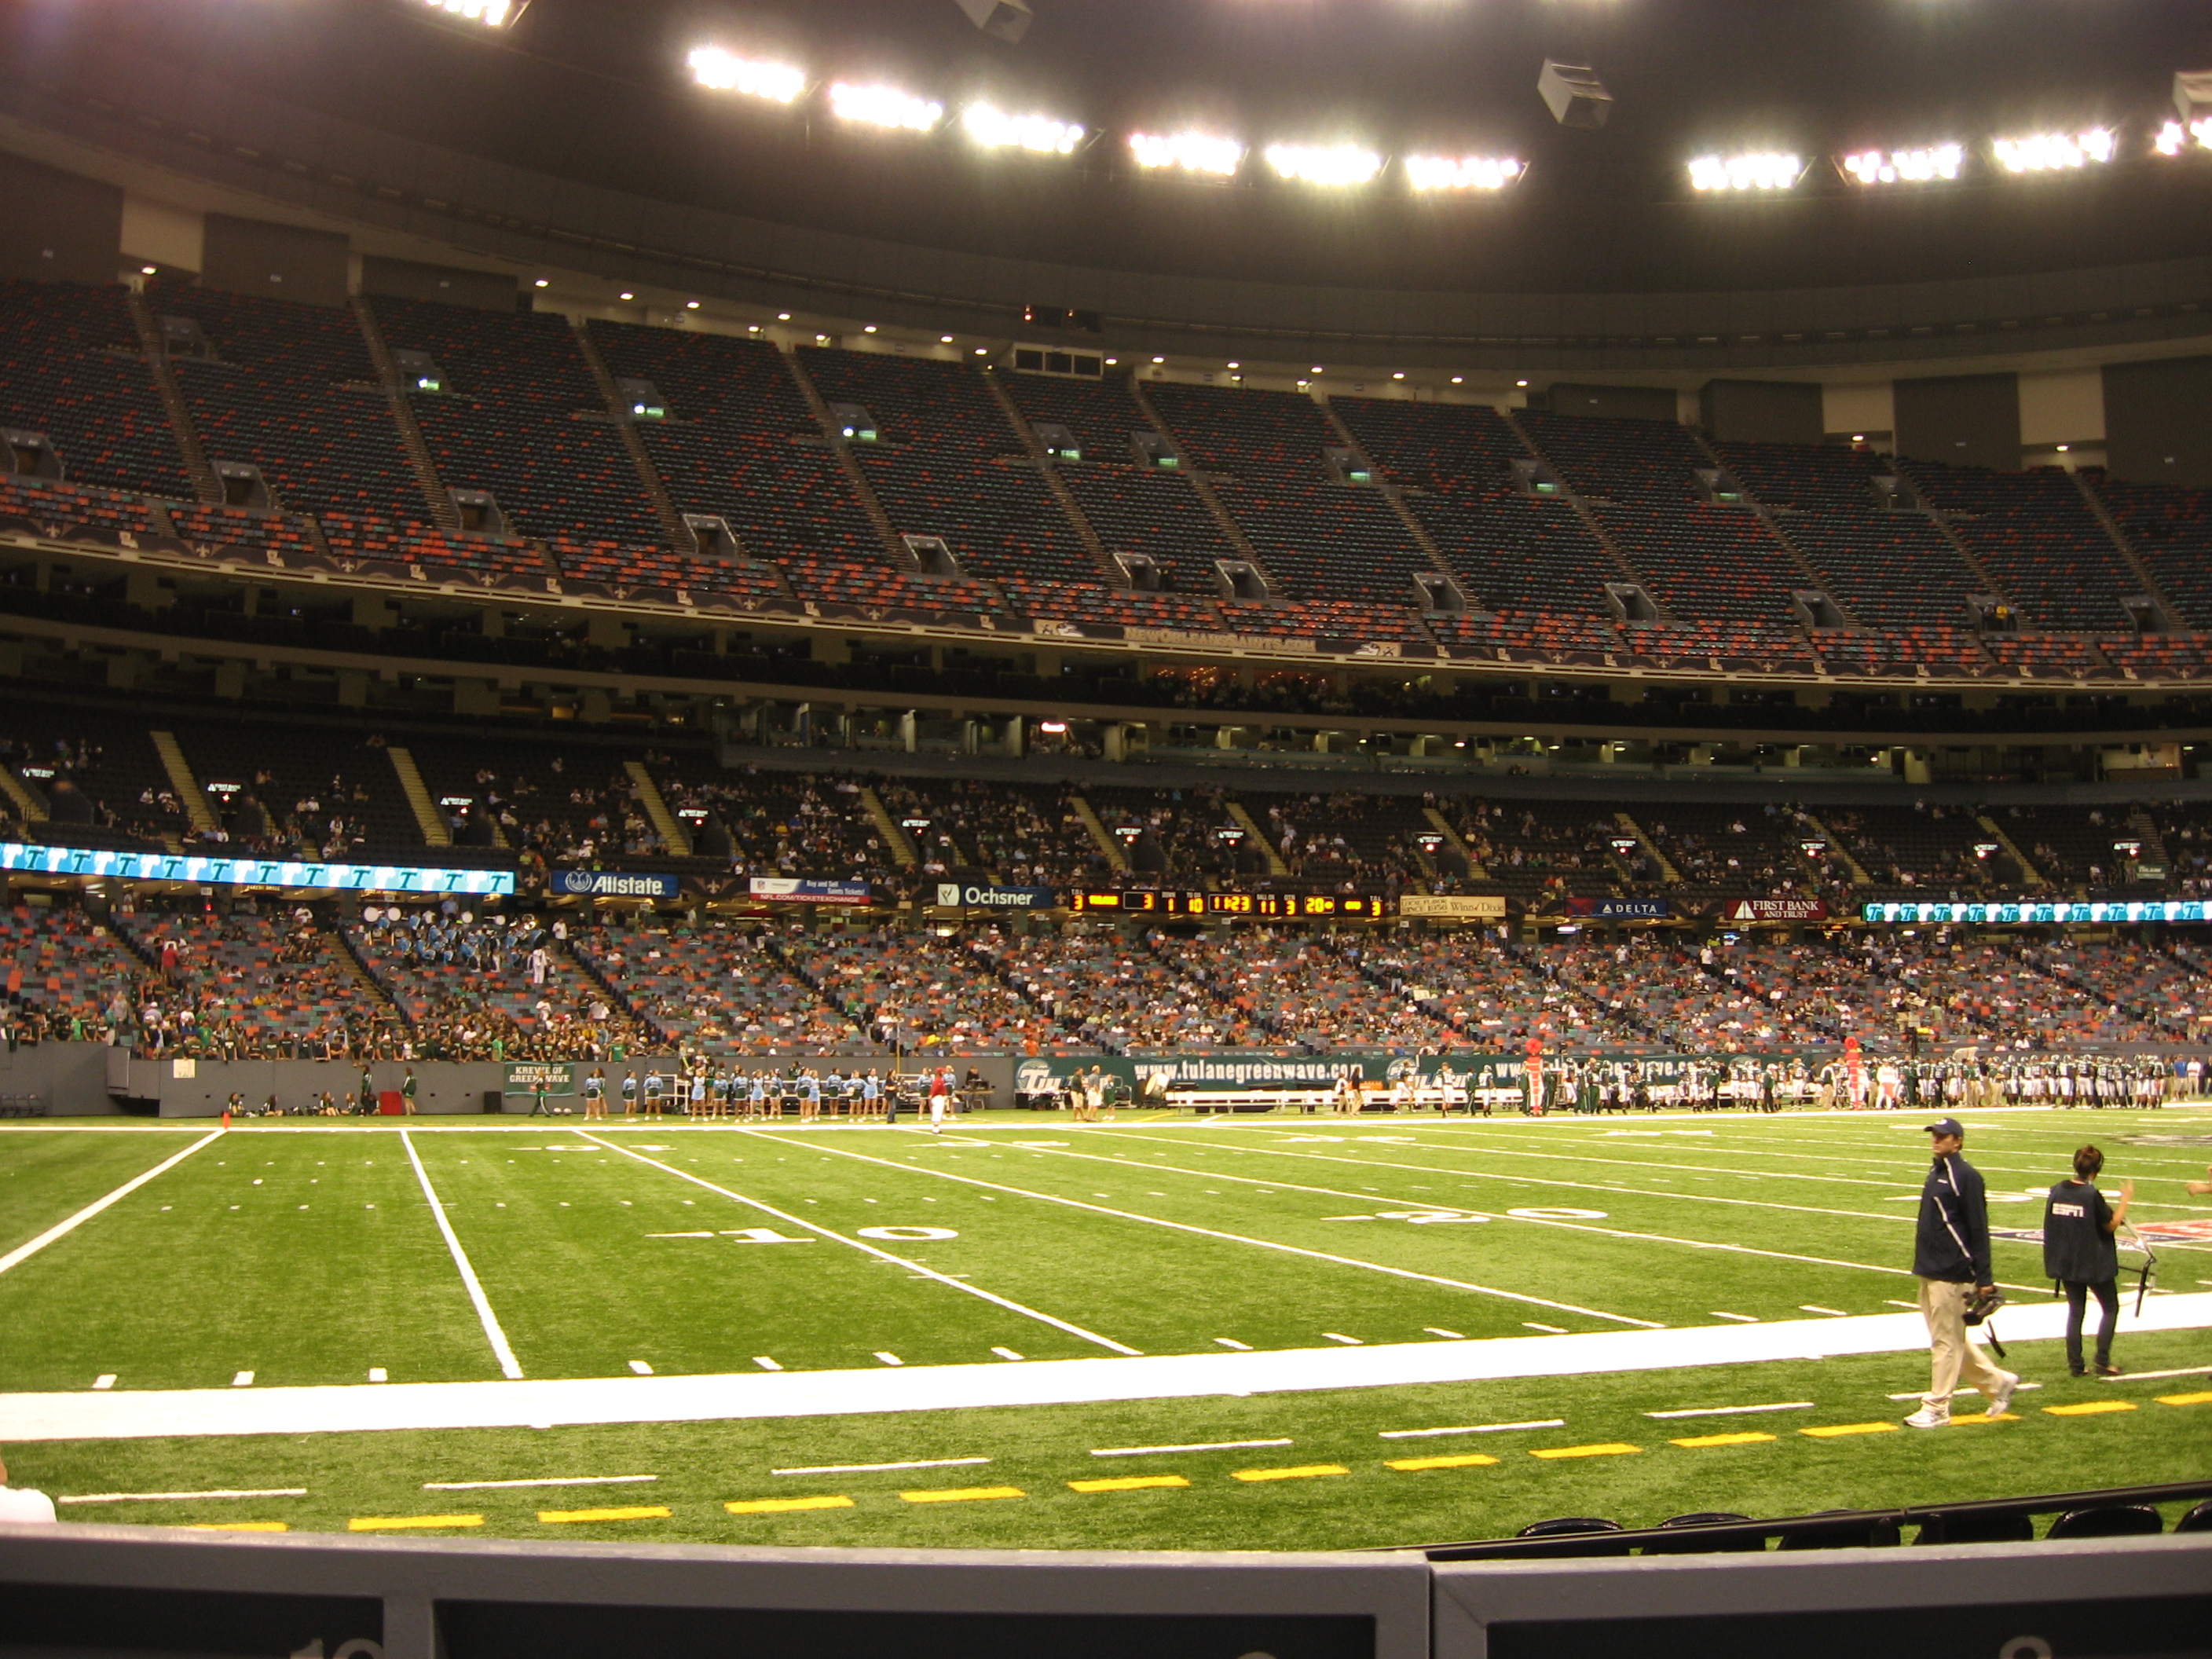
[(72, 368), (290, 389), (245, 986), (2037, 539), (718, 992), (2171, 530), (1459, 450), (67, 974), (521, 415), (1628, 462)]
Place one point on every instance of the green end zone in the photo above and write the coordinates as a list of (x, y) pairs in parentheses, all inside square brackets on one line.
[(858, 1264)]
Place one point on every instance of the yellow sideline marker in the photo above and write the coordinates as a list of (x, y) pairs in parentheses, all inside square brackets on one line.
[(962, 1494), (1297, 1472), (1467, 1461), (642, 1512), (399, 1523), (238, 1526), (2090, 1408), (2204, 1399), (1830, 1431), (1610, 1448), (1744, 1439), (1984, 1417), (1130, 1482), (786, 1505)]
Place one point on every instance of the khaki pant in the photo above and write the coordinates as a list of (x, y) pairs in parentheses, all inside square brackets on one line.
[(1943, 1305)]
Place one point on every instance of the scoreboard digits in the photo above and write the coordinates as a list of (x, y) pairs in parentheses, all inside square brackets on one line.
[(1265, 907)]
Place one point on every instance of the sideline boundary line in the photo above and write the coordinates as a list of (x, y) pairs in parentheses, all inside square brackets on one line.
[(362, 1406), (61, 1230), (509, 1366), (835, 1236)]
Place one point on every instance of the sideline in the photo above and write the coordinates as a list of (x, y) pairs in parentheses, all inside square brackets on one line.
[(350, 1407)]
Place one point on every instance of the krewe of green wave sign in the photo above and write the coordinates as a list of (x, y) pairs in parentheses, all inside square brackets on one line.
[(526, 1076)]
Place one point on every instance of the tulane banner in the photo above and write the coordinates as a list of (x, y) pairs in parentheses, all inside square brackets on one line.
[(982, 896), (789, 890), (613, 884)]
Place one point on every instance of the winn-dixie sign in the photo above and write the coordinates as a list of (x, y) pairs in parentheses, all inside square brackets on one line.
[(791, 889), (613, 884), (980, 896), (1454, 907), (1780, 909)]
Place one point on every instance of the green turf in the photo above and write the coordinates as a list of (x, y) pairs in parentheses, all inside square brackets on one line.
[(202, 1274)]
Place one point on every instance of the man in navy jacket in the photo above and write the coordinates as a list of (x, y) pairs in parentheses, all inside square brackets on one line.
[(1951, 1259)]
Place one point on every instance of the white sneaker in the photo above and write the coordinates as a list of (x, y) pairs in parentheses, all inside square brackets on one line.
[(2003, 1397), (1930, 1417)]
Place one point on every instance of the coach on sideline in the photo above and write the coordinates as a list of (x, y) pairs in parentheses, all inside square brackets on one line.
[(1951, 1258)]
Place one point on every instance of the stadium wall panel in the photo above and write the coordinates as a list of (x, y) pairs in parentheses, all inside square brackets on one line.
[(1764, 412), (2158, 420), (274, 262), (56, 227), (450, 285), (1962, 420)]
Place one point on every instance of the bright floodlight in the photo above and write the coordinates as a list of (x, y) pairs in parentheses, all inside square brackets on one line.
[(725, 71), (1194, 152), (1324, 164), (996, 130), (1760, 171), (1910, 166), (1461, 172), (884, 106), (2054, 152), (2173, 138), (492, 14)]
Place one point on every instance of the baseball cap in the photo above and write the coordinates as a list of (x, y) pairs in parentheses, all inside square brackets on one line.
[(1945, 1125)]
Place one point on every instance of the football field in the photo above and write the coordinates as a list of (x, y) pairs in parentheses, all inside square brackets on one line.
[(1262, 1331)]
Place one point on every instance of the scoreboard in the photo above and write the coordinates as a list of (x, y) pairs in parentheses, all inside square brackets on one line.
[(1258, 907)]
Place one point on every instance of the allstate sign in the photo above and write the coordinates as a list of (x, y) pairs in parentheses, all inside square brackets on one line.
[(612, 884), (981, 896)]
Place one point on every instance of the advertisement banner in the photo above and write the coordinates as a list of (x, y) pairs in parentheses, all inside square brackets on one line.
[(1780, 909), (45, 860), (1454, 907), (523, 1075), (790, 889), (613, 884), (1616, 909), (2097, 912), (982, 896)]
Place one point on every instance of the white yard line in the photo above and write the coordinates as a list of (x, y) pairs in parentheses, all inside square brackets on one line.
[(1270, 1184), (509, 1367), (554, 1481), (1736, 1411), (1205, 1445), (1472, 1428), (359, 1408), (178, 1496), (1106, 1342), (62, 1229), (1239, 1238), (871, 1469)]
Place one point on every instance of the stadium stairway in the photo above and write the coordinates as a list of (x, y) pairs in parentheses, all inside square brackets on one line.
[(887, 537), (1474, 865), (657, 814), (30, 806), (198, 812), (208, 487), (1625, 570), (1391, 493), (2028, 872), (443, 512), (427, 818), (1836, 845), (648, 476), (2103, 515), (887, 827), (1116, 860), (1110, 572), (1231, 532), (1243, 814), (1666, 870), (1810, 577)]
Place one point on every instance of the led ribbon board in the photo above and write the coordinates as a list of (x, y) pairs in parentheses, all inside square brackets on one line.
[(2099, 910), (100, 865)]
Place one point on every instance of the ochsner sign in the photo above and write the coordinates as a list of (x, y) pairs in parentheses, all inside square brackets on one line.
[(981, 896)]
